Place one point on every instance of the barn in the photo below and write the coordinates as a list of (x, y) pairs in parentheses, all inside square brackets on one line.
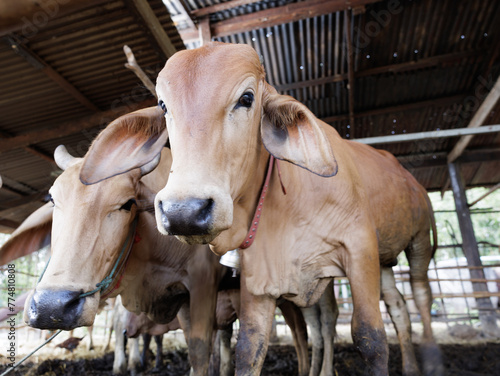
[(418, 78)]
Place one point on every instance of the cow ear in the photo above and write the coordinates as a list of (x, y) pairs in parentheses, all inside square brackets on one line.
[(32, 235), (131, 141), (291, 132)]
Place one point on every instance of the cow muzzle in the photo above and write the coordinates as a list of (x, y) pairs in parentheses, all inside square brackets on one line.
[(50, 309), (191, 217)]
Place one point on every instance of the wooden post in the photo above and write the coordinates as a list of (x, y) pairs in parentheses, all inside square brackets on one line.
[(486, 313)]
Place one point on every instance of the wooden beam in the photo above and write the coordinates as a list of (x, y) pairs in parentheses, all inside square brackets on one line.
[(37, 62), (30, 16), (444, 101), (282, 15), (221, 7), (453, 58), (438, 159), (483, 196), (479, 117), (429, 62), (470, 249), (40, 154), (8, 223), (350, 70), (70, 127), (40, 196), (30, 149), (153, 24), (204, 31), (184, 13)]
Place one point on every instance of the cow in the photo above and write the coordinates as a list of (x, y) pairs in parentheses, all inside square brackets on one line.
[(130, 325), (92, 228), (349, 208)]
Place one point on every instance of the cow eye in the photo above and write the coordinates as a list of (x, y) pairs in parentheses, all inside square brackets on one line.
[(128, 205), (163, 106), (245, 100)]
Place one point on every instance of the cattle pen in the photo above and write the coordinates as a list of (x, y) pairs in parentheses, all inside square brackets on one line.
[(418, 79)]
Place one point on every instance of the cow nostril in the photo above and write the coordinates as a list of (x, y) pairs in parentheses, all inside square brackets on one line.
[(206, 209)]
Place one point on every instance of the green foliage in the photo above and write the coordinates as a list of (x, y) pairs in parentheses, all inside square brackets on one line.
[(485, 219)]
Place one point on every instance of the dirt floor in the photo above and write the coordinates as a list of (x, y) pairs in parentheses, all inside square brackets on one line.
[(460, 360)]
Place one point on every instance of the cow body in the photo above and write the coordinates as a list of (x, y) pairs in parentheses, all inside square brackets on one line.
[(349, 208)]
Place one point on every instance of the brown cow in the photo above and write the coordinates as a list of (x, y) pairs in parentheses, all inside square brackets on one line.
[(90, 225), (224, 121)]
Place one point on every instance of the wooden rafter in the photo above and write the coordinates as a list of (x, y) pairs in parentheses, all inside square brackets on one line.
[(479, 117), (281, 15), (15, 14), (37, 62), (70, 127), (438, 159), (22, 201), (148, 17), (30, 149), (221, 7), (8, 223), (429, 62), (444, 101)]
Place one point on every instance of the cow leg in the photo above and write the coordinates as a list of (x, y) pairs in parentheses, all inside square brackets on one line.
[(419, 257), (295, 320), (367, 327), (120, 362), (329, 313), (396, 307), (203, 301), (312, 318), (134, 357), (226, 360), (185, 323), (256, 318), (159, 353), (146, 339), (90, 346), (215, 361)]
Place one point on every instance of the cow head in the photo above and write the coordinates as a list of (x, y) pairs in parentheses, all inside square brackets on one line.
[(221, 117), (223, 120), (90, 228)]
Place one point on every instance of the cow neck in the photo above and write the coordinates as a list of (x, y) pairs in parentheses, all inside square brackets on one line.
[(113, 280), (252, 232)]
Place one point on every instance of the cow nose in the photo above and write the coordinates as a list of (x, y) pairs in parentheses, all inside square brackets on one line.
[(187, 217), (51, 309)]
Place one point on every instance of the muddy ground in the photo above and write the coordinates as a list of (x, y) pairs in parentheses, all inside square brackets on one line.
[(460, 360)]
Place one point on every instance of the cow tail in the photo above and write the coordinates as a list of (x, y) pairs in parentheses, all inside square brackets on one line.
[(433, 224)]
